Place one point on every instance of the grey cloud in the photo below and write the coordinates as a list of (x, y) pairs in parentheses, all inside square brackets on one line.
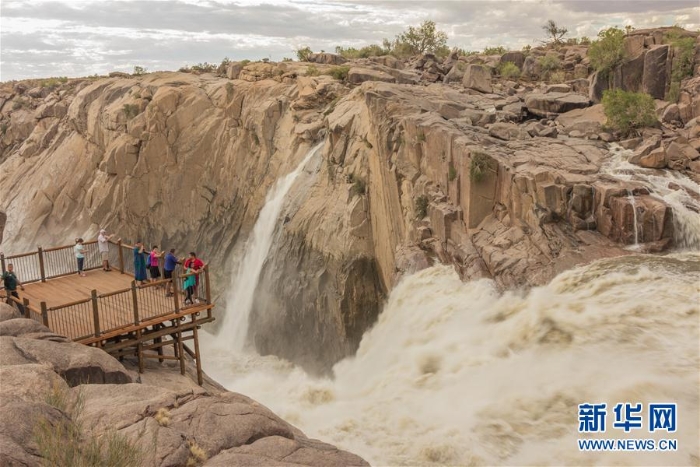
[(627, 6)]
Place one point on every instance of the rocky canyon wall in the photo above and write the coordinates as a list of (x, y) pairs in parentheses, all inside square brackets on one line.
[(422, 161)]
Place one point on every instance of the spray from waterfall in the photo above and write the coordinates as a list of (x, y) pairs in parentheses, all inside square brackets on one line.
[(241, 294), (457, 373)]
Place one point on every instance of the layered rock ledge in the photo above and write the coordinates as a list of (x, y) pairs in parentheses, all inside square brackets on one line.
[(170, 422)]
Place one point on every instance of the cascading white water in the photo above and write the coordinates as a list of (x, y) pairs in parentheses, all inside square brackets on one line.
[(633, 203), (456, 373), (239, 300), (667, 185)]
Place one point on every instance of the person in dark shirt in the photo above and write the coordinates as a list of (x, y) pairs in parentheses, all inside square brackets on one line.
[(171, 262), (10, 283)]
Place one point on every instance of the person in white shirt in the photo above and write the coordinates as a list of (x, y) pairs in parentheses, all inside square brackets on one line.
[(79, 250), (103, 246)]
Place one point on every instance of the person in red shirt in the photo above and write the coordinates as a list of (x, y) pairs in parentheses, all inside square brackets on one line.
[(196, 265)]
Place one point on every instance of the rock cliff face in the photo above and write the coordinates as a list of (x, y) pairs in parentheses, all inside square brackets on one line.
[(424, 160), (66, 386)]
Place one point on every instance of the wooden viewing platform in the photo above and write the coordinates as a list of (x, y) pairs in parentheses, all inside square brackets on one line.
[(108, 309)]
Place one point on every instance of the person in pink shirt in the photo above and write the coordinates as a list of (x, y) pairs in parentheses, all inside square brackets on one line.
[(153, 262)]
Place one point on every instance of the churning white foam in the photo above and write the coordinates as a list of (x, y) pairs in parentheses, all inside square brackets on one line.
[(457, 374)]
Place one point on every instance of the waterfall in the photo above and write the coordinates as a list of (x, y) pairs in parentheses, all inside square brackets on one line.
[(678, 191), (457, 373), (241, 294), (633, 203)]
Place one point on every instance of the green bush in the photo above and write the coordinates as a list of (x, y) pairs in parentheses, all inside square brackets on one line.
[(509, 70), (585, 40), (683, 60), (498, 50), (312, 70), (608, 51), (426, 38), (549, 64), (674, 92), (139, 70), (359, 186), (421, 206), (131, 110), (303, 54), (557, 77), (372, 50), (627, 112), (339, 72), (452, 173), (244, 62), (478, 165)]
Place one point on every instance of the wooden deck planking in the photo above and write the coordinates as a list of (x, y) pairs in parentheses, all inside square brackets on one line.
[(114, 311), (68, 289)]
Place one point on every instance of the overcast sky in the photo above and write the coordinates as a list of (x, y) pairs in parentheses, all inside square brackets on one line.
[(42, 38)]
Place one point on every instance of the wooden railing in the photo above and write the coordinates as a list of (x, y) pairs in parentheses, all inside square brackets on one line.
[(100, 314)]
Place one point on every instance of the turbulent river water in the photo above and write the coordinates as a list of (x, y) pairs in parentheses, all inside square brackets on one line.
[(458, 373)]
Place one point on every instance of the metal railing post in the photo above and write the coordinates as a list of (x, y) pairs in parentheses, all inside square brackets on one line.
[(95, 313), (44, 314), (135, 299), (121, 256), (41, 265)]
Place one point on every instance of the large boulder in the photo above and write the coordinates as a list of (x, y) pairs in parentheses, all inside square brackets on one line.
[(545, 105), (358, 75), (588, 121), (515, 57), (327, 58), (477, 77), (656, 71), (76, 363)]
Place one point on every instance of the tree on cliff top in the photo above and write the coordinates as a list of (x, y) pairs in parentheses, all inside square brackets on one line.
[(424, 39), (608, 51), (554, 31)]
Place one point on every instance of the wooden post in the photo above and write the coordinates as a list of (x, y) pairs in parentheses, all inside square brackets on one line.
[(25, 312), (176, 291), (121, 256), (41, 265), (196, 352), (2, 261), (134, 297), (44, 314), (139, 350), (95, 314), (206, 284), (180, 350)]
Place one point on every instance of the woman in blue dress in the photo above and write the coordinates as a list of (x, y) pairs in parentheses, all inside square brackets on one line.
[(139, 263)]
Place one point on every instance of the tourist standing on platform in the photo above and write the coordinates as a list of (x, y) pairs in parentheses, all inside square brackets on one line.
[(171, 263), (196, 265), (153, 263), (103, 245), (190, 284), (139, 263), (79, 250), (10, 283)]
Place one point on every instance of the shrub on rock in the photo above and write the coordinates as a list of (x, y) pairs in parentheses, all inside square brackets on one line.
[(628, 111)]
